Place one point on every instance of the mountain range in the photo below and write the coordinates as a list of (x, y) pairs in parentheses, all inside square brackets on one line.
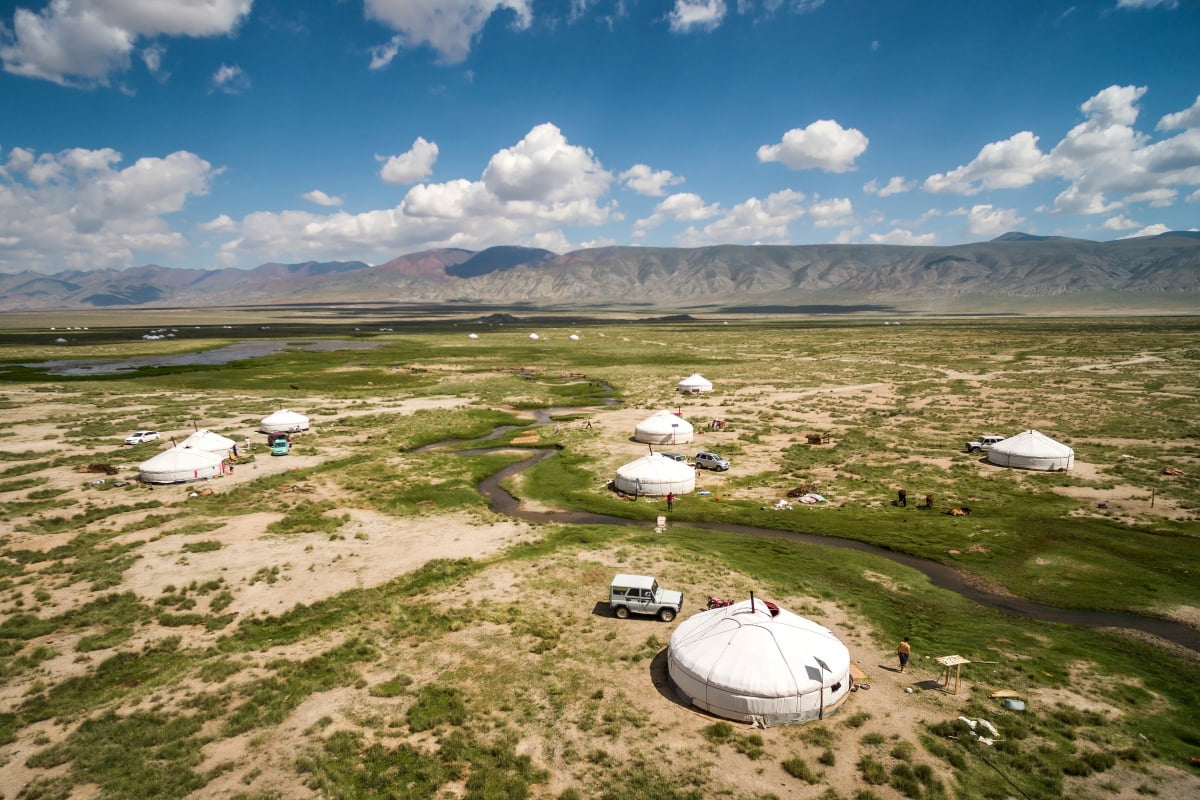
[(1013, 272)]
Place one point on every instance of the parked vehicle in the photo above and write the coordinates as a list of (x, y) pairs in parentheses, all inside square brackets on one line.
[(982, 444), (675, 456), (141, 437), (281, 447), (707, 460), (641, 594)]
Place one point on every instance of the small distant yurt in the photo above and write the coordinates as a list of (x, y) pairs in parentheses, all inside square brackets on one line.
[(694, 384), (1031, 450), (284, 421), (663, 427), (209, 441), (655, 475), (534, 336), (753, 663), (179, 465), (574, 337), (472, 335)]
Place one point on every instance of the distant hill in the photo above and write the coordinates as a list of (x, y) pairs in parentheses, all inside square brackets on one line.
[(1016, 273)]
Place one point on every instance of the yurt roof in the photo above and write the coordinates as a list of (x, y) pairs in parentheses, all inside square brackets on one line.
[(1032, 443), (284, 417), (696, 379), (663, 422), (746, 649), (657, 468), (207, 440), (179, 459)]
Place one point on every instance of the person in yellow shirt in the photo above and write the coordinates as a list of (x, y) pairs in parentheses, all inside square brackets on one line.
[(904, 651)]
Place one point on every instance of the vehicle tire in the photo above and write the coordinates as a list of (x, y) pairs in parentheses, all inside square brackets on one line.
[(666, 614), (621, 612)]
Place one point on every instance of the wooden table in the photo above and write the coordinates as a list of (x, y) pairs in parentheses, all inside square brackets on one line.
[(952, 661)]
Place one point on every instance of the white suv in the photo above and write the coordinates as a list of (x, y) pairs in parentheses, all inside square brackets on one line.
[(641, 594), (141, 437)]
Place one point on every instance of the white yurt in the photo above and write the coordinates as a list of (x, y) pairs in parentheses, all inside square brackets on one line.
[(472, 335), (664, 427), (750, 663), (211, 442), (655, 475), (1031, 450), (695, 383), (179, 465), (284, 421)]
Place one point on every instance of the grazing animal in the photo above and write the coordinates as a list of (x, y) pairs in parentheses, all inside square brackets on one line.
[(959, 512)]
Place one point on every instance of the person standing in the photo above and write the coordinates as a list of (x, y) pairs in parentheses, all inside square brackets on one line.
[(670, 501), (904, 651), (902, 498)]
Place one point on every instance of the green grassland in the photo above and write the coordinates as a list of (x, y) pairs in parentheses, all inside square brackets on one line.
[(443, 693)]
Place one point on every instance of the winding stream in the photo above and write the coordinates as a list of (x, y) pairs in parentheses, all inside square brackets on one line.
[(941, 575)]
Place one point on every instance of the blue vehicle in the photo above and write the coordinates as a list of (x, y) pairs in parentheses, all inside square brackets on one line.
[(281, 447)]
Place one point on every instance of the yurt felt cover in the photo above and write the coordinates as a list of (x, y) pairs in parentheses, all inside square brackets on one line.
[(742, 663), (1031, 450), (207, 440), (655, 475), (180, 464), (695, 383), (663, 427), (284, 421)]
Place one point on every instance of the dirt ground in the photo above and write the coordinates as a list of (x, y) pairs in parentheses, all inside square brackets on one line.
[(374, 549)]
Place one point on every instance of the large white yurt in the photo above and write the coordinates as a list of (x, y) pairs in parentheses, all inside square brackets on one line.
[(750, 663), (1031, 450), (695, 383), (655, 475), (663, 427), (211, 442), (179, 465), (284, 421)]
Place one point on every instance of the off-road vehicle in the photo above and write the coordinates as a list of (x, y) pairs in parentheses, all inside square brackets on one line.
[(641, 594)]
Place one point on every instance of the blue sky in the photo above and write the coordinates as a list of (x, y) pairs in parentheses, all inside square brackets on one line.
[(218, 133)]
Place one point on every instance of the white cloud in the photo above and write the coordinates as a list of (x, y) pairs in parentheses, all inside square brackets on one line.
[(83, 42), (528, 193), (680, 207), (412, 166), (901, 236), (383, 54), (824, 145), (896, 185), (1156, 198), (1119, 223), (986, 220), (1149, 230), (696, 15), (230, 79), (1010, 164), (448, 26), (1188, 118), (1194, 197), (75, 209), (555, 241), (321, 199), (753, 220), (542, 167), (1139, 4), (831, 213), (649, 182), (222, 223)]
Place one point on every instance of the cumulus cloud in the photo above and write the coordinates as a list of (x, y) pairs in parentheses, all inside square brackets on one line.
[(222, 223), (450, 27), (987, 220), (696, 15), (897, 185), (649, 182), (75, 209), (528, 193), (823, 145), (1149, 230), (680, 207), (1104, 160), (902, 236), (753, 220), (1119, 223), (321, 199), (84, 42), (831, 212), (412, 166), (230, 79)]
